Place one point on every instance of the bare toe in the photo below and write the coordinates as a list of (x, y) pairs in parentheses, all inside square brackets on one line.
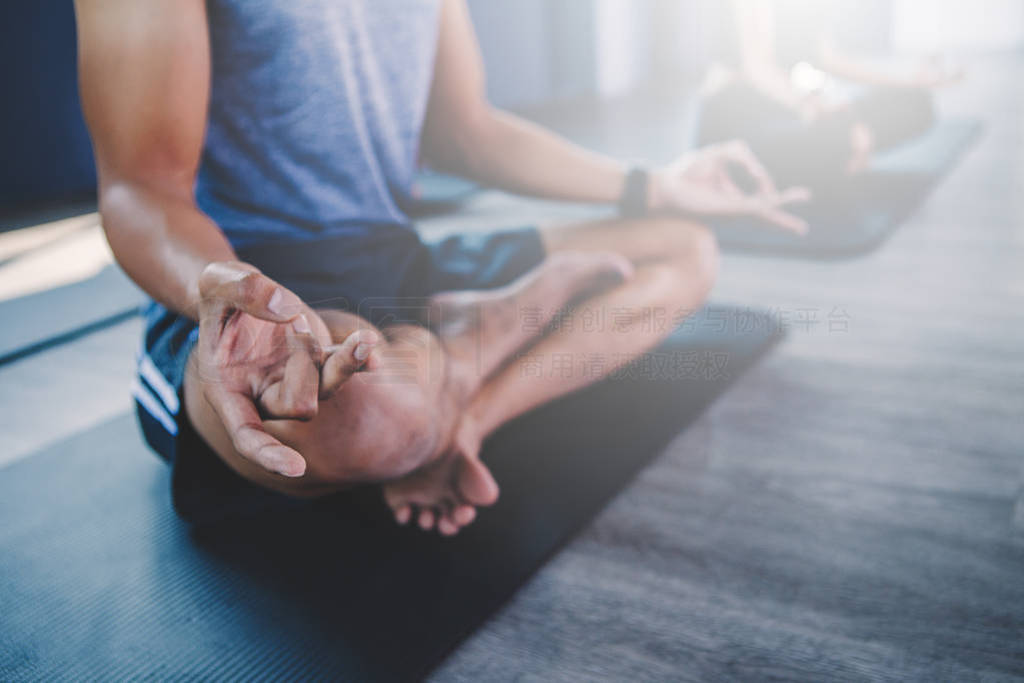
[(464, 514), (475, 483), (403, 514), (426, 520), (447, 527), (399, 500)]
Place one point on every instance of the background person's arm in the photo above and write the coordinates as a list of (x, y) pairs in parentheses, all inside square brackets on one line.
[(922, 73), (758, 62), (466, 136), (145, 80)]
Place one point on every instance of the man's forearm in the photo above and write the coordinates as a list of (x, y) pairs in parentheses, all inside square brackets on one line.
[(515, 155), (163, 242)]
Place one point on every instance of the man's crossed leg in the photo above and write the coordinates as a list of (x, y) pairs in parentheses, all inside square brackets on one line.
[(416, 415)]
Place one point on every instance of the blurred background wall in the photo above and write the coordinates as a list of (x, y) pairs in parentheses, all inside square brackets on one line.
[(536, 51), (929, 25), (45, 146)]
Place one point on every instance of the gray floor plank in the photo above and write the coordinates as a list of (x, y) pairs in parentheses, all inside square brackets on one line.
[(847, 510)]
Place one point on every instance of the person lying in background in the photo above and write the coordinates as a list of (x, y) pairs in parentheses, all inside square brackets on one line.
[(812, 112), (251, 160)]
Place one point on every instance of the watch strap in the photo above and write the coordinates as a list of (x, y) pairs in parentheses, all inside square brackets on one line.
[(633, 203)]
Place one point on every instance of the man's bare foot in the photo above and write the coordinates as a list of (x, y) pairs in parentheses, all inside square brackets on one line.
[(482, 329), (445, 492)]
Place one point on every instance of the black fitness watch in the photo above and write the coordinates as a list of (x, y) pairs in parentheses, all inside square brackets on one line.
[(633, 203)]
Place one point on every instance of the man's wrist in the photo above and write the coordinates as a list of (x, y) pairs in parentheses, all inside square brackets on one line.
[(212, 275), (656, 191)]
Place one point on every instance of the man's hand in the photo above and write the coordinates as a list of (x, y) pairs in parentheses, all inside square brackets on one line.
[(259, 355), (703, 183)]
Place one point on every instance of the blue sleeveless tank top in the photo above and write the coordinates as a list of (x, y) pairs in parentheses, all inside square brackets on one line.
[(315, 115)]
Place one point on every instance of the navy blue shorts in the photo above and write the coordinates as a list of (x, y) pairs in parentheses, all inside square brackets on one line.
[(384, 281)]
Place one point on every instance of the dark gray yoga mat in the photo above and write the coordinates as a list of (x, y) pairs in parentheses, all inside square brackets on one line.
[(854, 219), (99, 579)]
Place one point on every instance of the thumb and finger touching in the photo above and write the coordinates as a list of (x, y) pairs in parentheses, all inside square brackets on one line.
[(768, 202), (345, 359), (228, 287)]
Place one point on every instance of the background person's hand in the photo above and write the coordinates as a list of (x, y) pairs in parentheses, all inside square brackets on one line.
[(259, 355), (704, 183)]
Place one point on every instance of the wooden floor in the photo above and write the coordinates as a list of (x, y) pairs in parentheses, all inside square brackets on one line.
[(845, 511)]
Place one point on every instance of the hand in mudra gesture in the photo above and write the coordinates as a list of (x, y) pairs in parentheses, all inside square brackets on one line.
[(702, 183)]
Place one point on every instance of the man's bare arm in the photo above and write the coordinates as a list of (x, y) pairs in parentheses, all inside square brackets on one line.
[(925, 73), (145, 80), (464, 135), (758, 61)]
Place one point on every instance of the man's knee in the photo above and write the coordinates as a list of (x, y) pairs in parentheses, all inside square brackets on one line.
[(703, 257), (692, 247), (695, 260)]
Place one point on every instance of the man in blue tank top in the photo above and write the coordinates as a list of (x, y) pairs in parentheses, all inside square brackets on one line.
[(253, 156)]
